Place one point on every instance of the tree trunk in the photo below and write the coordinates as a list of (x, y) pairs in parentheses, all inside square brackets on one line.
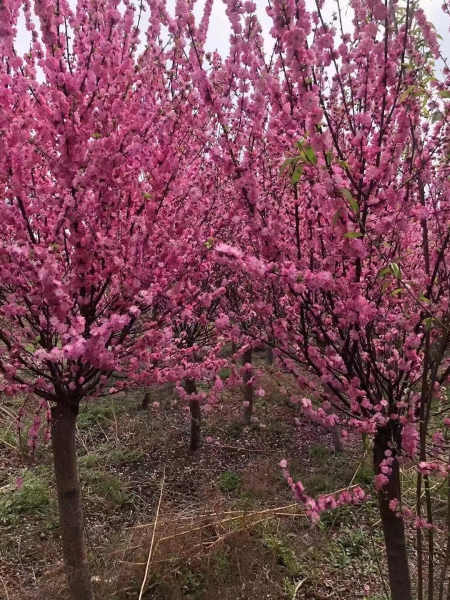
[(63, 427), (233, 351), (248, 388), (393, 526), (145, 401), (194, 407), (270, 357), (335, 430), (337, 441)]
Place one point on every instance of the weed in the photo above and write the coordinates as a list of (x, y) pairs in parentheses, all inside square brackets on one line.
[(315, 484), (33, 497), (365, 474), (284, 554), (96, 413), (223, 564), (234, 429), (353, 542), (105, 487), (192, 583), (276, 428), (224, 373), (319, 452), (230, 481), (288, 588)]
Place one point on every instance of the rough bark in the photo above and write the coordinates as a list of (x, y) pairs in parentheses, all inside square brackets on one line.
[(145, 401), (71, 524), (393, 526), (337, 441), (233, 351), (248, 388), (194, 408)]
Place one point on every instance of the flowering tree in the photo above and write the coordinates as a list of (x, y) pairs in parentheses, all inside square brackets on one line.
[(353, 234), (104, 184)]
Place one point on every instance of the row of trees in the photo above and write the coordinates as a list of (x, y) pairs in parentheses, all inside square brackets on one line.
[(158, 204)]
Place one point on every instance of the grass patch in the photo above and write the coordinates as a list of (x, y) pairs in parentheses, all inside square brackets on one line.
[(34, 498), (98, 413), (230, 481), (106, 456), (284, 554), (319, 452), (103, 487), (234, 429)]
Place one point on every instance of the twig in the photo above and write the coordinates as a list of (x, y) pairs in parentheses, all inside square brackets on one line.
[(144, 581), (297, 587), (6, 591)]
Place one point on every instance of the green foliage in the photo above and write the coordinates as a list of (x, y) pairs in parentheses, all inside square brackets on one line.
[(97, 413), (234, 429), (33, 498), (104, 487), (283, 552), (106, 456), (230, 481), (319, 452), (224, 373), (193, 586)]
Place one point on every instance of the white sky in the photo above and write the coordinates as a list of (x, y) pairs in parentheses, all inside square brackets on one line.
[(219, 31)]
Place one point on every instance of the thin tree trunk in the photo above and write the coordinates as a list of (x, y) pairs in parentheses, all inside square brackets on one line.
[(233, 351), (145, 401), (393, 526), (335, 430), (270, 357), (248, 388), (337, 441), (194, 408), (63, 427)]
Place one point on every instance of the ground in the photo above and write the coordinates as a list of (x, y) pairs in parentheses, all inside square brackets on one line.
[(226, 523)]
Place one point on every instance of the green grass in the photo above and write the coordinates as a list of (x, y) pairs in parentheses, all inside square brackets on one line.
[(33, 498), (106, 456), (234, 429), (319, 452), (104, 487), (230, 481), (285, 556), (98, 413)]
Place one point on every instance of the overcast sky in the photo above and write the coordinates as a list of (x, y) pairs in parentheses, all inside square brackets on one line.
[(219, 32)]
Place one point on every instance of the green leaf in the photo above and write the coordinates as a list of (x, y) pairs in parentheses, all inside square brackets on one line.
[(444, 94), (396, 292), (428, 322), (353, 234), (311, 156), (386, 284), (337, 214), (423, 298), (285, 165), (385, 271), (407, 92), (353, 203), (436, 116), (342, 163), (297, 174), (329, 157), (395, 270)]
